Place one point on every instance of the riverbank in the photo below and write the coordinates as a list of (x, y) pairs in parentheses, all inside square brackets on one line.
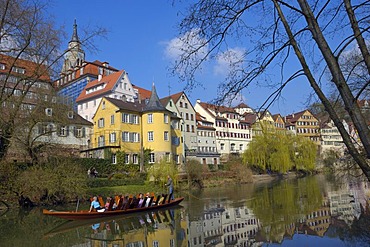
[(224, 179)]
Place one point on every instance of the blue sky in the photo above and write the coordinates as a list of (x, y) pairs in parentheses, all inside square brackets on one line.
[(140, 33)]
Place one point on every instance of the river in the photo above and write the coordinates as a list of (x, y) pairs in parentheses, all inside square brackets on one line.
[(311, 211)]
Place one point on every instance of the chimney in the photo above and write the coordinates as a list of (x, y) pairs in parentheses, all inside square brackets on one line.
[(105, 64), (99, 77), (198, 101)]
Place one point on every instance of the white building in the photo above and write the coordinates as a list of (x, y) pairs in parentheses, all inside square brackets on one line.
[(116, 85), (233, 133), (331, 139)]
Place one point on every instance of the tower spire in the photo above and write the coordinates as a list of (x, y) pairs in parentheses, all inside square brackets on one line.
[(75, 35)]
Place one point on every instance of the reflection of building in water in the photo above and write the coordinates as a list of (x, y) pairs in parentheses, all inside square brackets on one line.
[(319, 220), (207, 230), (346, 203), (221, 226), (239, 226), (212, 227), (162, 228)]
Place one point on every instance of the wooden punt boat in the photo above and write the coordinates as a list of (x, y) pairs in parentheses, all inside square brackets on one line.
[(127, 223), (85, 214)]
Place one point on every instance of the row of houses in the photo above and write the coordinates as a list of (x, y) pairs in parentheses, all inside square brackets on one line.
[(109, 114)]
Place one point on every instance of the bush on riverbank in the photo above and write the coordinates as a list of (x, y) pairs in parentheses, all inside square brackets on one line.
[(54, 182)]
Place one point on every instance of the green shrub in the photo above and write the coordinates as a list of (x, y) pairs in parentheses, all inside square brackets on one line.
[(103, 182)]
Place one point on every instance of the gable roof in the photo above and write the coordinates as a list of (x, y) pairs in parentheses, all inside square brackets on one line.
[(33, 70), (109, 81), (142, 92)]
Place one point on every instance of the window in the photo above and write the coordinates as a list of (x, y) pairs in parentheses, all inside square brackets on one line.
[(125, 137), (155, 243), (49, 112), (135, 137), (101, 123), (168, 157), (186, 105), (151, 158), (101, 141), (165, 135), (191, 117), (103, 105), (63, 131), (112, 137), (114, 159), (112, 119), (165, 118), (222, 146), (150, 136), (150, 118), (125, 118), (86, 105), (79, 132), (127, 158), (19, 70), (2, 66), (135, 159), (135, 119)]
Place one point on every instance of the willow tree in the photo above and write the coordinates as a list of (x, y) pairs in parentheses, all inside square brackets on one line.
[(281, 152), (314, 35)]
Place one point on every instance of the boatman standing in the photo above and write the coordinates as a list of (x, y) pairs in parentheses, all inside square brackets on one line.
[(169, 184)]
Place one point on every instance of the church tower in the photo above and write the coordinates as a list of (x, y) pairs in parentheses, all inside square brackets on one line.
[(74, 55)]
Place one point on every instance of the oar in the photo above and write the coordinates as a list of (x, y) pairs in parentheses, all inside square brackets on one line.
[(78, 202)]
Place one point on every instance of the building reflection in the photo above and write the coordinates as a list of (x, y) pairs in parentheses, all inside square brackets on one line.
[(225, 223)]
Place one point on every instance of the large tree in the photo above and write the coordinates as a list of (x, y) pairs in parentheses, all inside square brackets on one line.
[(27, 34), (314, 34)]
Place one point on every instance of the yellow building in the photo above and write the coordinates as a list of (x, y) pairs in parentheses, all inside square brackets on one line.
[(132, 127), (260, 122), (305, 124)]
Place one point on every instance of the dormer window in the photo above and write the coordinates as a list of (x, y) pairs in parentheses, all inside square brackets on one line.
[(49, 112), (2, 66), (70, 114), (19, 70)]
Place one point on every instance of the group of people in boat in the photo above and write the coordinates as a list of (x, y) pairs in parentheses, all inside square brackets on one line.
[(127, 202)]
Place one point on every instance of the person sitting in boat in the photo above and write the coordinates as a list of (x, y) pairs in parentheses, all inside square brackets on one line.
[(161, 200), (124, 201), (95, 205), (107, 203), (141, 200), (147, 199)]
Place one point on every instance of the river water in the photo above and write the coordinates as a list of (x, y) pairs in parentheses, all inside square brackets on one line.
[(313, 211)]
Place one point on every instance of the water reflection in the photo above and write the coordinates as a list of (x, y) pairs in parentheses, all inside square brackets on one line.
[(304, 212), (281, 212), (157, 228)]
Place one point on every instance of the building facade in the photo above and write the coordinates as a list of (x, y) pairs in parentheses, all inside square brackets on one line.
[(233, 133), (116, 85), (304, 124), (133, 127)]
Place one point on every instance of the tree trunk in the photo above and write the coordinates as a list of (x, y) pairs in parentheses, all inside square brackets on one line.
[(350, 102), (360, 160)]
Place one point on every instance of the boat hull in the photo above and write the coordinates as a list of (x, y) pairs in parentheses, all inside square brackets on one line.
[(84, 215)]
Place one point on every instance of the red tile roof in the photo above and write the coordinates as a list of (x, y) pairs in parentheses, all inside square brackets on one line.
[(142, 92), (109, 80), (33, 70)]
